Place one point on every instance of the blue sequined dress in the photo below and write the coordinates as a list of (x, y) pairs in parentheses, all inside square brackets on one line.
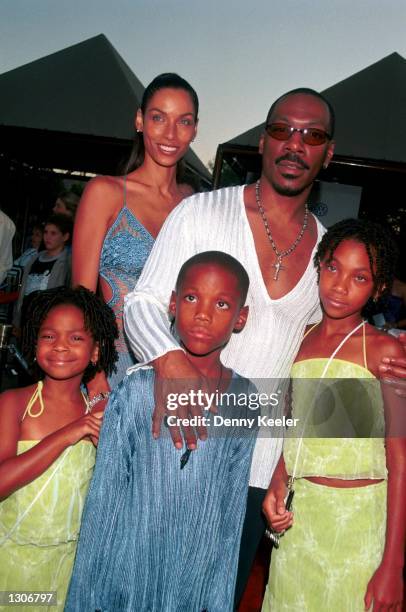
[(125, 249)]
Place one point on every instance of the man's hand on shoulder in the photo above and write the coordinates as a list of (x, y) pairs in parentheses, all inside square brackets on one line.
[(392, 368), (177, 382)]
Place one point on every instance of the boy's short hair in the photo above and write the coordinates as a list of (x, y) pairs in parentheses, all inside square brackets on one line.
[(62, 222), (219, 258)]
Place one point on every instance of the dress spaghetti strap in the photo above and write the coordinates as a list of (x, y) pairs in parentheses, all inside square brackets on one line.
[(364, 341), (364, 347), (125, 192), (37, 396), (311, 329)]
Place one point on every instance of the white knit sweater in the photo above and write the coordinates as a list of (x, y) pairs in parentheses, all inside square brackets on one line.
[(267, 346)]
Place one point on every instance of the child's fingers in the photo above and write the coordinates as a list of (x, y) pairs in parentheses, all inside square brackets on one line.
[(274, 502), (96, 421), (93, 429), (98, 415), (281, 528), (368, 598), (280, 523), (95, 440)]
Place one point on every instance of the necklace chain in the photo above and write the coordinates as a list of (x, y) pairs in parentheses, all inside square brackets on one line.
[(279, 254)]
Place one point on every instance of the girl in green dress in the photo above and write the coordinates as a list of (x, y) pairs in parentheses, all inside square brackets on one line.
[(46, 450), (344, 544)]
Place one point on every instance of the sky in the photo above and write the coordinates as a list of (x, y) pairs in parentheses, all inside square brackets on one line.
[(238, 54)]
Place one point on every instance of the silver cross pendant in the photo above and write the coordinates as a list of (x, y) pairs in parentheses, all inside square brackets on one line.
[(278, 267)]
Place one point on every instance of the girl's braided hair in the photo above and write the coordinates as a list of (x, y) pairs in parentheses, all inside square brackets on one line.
[(98, 317), (379, 244)]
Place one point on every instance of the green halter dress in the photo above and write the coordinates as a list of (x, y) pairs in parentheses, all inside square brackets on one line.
[(39, 525), (327, 558)]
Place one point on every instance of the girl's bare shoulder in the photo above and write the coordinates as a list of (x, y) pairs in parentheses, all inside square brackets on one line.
[(13, 402), (381, 344)]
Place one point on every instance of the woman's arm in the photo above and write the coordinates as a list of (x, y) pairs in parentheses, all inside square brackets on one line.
[(98, 206), (99, 202), (16, 471)]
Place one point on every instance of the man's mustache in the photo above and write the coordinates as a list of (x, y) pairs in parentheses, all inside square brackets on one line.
[(292, 157)]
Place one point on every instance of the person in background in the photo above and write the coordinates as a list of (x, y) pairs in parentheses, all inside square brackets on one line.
[(66, 204), (7, 231), (51, 267), (119, 217), (36, 239), (394, 309)]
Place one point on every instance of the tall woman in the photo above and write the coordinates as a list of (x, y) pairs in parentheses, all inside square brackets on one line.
[(119, 217)]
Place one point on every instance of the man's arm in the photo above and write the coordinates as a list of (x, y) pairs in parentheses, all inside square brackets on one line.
[(146, 319), (147, 323)]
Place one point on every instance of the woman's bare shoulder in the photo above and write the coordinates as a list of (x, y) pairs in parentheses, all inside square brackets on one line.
[(105, 185), (106, 193)]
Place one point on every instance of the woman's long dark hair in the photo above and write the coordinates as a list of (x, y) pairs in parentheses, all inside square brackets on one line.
[(167, 80)]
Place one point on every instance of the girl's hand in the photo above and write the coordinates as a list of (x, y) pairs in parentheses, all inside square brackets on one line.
[(385, 589), (87, 425), (274, 507)]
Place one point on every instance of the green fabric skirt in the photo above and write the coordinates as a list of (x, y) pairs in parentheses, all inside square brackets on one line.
[(327, 558), (39, 526)]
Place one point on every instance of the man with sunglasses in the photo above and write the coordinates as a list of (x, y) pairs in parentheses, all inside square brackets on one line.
[(267, 227)]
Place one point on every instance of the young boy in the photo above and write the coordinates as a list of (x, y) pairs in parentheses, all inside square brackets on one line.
[(161, 529), (49, 268)]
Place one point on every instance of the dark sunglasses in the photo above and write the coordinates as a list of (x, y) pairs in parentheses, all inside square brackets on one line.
[(310, 136)]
